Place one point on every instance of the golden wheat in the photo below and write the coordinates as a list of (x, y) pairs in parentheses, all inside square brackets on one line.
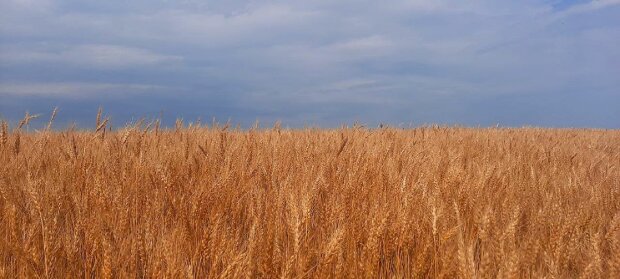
[(198, 201)]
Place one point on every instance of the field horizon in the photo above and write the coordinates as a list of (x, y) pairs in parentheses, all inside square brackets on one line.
[(39, 122)]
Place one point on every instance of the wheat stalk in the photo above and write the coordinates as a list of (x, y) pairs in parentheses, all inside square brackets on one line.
[(53, 116), (4, 133)]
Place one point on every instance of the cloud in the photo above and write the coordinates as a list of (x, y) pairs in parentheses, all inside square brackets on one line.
[(88, 55), (114, 56), (374, 44), (79, 90), (327, 60)]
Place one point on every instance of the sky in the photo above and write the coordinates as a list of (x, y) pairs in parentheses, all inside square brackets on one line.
[(319, 63)]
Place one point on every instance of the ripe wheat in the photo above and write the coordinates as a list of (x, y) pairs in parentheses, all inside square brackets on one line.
[(214, 202)]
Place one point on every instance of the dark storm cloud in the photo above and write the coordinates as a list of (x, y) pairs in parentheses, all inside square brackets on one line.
[(315, 62)]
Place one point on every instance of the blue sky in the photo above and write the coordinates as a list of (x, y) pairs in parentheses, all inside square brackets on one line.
[(324, 63)]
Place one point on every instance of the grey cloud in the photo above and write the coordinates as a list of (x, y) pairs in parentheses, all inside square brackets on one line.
[(323, 61)]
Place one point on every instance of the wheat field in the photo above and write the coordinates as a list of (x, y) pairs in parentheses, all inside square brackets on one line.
[(210, 201)]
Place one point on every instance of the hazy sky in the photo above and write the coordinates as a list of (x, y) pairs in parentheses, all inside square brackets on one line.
[(319, 62)]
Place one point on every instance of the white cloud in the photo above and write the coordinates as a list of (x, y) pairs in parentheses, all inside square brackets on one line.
[(31, 5), (74, 89), (88, 55), (113, 56), (372, 43), (587, 7)]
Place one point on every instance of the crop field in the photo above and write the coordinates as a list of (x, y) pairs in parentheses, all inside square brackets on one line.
[(211, 201)]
